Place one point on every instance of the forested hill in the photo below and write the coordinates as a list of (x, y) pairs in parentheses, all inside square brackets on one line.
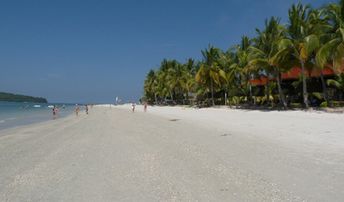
[(9, 97)]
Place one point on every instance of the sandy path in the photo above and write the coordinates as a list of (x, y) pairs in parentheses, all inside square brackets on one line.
[(115, 155)]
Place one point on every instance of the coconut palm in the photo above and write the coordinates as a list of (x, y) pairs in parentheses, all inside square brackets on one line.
[(315, 30), (300, 43), (150, 85), (210, 74), (189, 77), (332, 49), (190, 66), (226, 61), (175, 78), (312, 39), (163, 90), (263, 52), (320, 27), (240, 64)]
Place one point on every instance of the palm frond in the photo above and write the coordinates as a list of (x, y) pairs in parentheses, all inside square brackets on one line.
[(332, 82), (311, 43)]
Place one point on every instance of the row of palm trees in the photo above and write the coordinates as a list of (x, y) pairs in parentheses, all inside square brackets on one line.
[(313, 39)]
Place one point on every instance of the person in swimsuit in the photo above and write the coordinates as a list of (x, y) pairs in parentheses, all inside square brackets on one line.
[(54, 112), (77, 109), (145, 107), (133, 107), (86, 108)]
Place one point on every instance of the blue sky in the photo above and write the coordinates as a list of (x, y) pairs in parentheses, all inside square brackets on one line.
[(93, 51)]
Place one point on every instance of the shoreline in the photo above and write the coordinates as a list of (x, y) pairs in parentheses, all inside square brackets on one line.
[(33, 123), (40, 123), (226, 109), (20, 114)]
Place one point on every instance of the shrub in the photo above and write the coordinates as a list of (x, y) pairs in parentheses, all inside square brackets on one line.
[(323, 105)]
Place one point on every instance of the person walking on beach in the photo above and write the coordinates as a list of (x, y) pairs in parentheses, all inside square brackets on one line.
[(77, 109), (145, 107), (86, 108), (54, 112), (133, 107)]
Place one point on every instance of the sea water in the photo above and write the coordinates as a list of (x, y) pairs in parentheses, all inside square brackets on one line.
[(16, 114)]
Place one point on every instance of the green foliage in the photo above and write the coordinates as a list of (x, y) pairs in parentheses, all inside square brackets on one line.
[(318, 95), (324, 105), (9, 97), (172, 80), (338, 103), (312, 40), (295, 105), (236, 100), (338, 82)]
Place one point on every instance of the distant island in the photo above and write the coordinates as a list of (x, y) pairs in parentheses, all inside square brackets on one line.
[(9, 97)]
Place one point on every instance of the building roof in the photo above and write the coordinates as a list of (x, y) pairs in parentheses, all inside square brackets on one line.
[(295, 73)]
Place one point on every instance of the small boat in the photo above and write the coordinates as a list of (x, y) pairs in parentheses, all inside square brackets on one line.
[(51, 106), (36, 106)]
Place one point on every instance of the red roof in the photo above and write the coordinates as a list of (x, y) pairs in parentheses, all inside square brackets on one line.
[(295, 73), (259, 82)]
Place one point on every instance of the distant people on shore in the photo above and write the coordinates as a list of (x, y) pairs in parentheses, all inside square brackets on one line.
[(86, 108), (145, 106), (133, 107), (55, 110), (77, 109)]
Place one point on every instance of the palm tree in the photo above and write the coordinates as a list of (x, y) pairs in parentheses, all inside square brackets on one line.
[(162, 89), (189, 77), (210, 74), (150, 85), (312, 39), (190, 66), (332, 49), (320, 27), (300, 43), (175, 78), (263, 52), (240, 66), (226, 61)]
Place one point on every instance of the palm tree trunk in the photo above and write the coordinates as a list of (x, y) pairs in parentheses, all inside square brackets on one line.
[(225, 98), (323, 86), (280, 91), (304, 85), (250, 89), (267, 91), (228, 98), (212, 92), (249, 96)]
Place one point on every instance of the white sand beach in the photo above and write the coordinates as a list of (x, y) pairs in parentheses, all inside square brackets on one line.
[(175, 154)]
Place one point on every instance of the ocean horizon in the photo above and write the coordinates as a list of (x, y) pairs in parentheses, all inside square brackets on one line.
[(13, 114)]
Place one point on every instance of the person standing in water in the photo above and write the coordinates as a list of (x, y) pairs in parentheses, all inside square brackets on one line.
[(54, 112), (77, 109), (86, 108)]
